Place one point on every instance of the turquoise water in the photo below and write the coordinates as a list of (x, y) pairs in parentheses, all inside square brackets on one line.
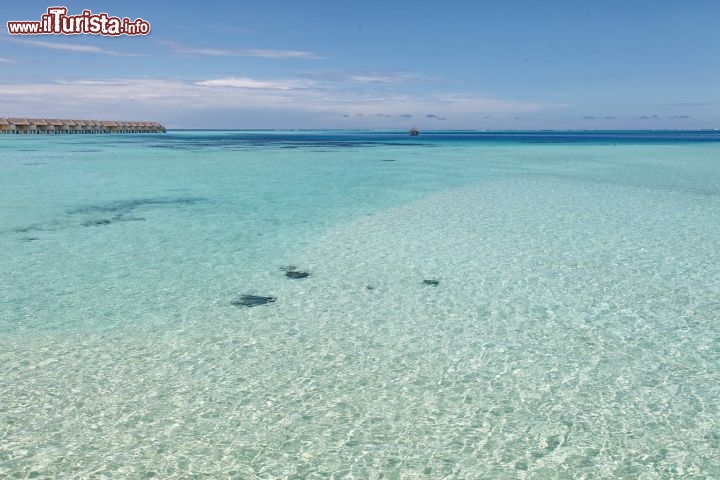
[(574, 331)]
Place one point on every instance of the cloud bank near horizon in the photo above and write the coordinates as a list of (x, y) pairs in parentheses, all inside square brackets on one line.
[(315, 99)]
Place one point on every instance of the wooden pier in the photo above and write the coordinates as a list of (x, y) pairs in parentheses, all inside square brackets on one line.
[(44, 126)]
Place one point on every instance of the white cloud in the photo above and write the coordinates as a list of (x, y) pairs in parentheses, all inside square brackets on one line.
[(239, 52), (71, 47), (7, 60), (92, 82), (380, 78), (244, 82)]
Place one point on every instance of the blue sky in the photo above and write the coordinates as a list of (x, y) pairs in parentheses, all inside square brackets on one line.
[(376, 64)]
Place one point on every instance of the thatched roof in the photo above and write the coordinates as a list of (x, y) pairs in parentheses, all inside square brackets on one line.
[(19, 121)]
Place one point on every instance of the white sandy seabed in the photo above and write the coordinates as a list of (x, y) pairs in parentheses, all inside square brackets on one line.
[(572, 334)]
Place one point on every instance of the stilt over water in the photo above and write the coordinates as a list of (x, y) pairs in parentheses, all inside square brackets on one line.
[(55, 126)]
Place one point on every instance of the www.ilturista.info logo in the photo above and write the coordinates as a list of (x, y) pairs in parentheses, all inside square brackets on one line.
[(57, 22)]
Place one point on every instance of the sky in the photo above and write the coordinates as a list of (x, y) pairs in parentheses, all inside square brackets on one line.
[(392, 64)]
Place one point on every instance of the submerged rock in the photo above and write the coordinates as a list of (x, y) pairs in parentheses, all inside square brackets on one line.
[(291, 271), (432, 282), (252, 301), (96, 223), (123, 207), (295, 274)]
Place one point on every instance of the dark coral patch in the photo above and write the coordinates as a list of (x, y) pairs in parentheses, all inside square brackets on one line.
[(296, 274), (252, 301), (291, 271)]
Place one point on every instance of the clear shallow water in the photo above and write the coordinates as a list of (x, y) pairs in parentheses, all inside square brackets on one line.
[(573, 333)]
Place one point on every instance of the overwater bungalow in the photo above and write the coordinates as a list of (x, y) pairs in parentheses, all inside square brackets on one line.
[(58, 125), (42, 125), (92, 126), (6, 127), (53, 126), (157, 127), (110, 127), (75, 127), (22, 125)]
